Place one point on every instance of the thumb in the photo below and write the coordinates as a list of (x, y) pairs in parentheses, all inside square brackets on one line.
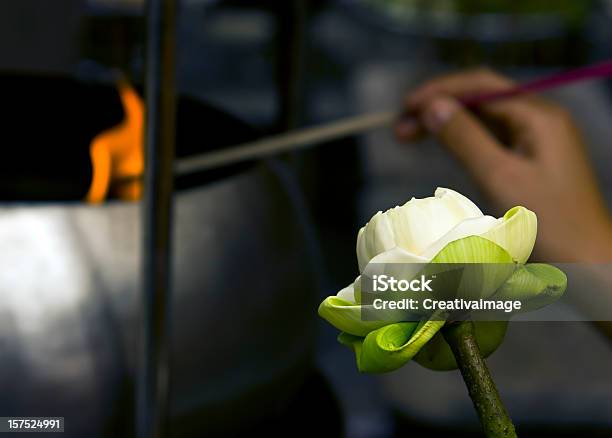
[(465, 136)]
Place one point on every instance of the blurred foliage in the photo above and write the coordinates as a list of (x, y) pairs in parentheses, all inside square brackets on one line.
[(572, 11)]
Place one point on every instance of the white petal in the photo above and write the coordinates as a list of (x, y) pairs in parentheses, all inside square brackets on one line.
[(420, 222), (455, 201), (376, 237), (468, 227), (399, 255), (397, 263), (362, 253), (516, 233), (348, 293), (415, 225)]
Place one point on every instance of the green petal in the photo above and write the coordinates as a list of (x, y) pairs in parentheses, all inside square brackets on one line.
[(472, 249), (346, 316), (535, 284), (354, 343), (516, 233), (484, 266), (437, 354), (390, 347)]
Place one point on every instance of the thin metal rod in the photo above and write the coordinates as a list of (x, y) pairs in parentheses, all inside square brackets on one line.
[(153, 372), (284, 142)]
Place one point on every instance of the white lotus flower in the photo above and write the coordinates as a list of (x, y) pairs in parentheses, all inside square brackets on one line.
[(427, 234), (418, 230)]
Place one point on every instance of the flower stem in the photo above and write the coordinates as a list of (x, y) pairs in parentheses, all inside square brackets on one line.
[(492, 414)]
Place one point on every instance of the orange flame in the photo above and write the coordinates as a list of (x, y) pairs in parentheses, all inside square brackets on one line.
[(117, 154)]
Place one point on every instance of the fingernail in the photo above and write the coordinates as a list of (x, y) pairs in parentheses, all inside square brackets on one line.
[(406, 128), (438, 113)]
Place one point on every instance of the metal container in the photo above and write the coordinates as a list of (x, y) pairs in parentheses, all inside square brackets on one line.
[(70, 286), (242, 306)]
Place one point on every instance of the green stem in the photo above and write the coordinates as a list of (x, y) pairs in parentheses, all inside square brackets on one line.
[(491, 411)]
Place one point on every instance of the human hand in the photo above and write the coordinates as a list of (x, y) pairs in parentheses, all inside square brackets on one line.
[(523, 150)]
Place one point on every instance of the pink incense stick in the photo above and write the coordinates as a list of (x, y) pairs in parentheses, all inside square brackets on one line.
[(599, 70), (351, 126)]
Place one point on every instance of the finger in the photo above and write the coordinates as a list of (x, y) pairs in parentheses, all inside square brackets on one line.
[(521, 113), (409, 128), (528, 125), (459, 84), (406, 128), (522, 119), (515, 110), (465, 137)]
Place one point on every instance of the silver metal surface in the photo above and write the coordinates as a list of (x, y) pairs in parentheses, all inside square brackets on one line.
[(70, 283)]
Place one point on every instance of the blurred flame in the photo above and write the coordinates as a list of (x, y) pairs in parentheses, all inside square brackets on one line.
[(117, 154)]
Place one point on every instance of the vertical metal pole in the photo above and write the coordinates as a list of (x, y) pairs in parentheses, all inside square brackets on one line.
[(291, 18), (153, 372)]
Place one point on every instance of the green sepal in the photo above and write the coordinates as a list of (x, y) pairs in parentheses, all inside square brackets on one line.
[(352, 342), (346, 316), (388, 348), (535, 285)]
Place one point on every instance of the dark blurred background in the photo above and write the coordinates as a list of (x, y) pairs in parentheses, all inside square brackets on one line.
[(271, 66)]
